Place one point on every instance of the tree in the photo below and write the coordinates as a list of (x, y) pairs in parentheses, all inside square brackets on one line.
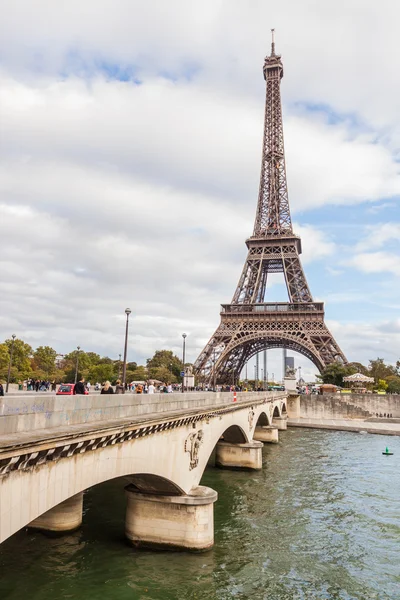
[(334, 373), (393, 384), (93, 358), (166, 359), (101, 373), (139, 374), (356, 367), (45, 360), (382, 385), (22, 354), (162, 374), (378, 369), (4, 360), (84, 364)]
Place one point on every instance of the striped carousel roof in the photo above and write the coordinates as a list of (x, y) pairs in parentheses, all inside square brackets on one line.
[(359, 377)]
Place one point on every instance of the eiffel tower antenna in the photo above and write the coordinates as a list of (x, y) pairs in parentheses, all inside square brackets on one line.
[(249, 324)]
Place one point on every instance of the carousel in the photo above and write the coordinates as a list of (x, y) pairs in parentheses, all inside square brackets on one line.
[(358, 382)]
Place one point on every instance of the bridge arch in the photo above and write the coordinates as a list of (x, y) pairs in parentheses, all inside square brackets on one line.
[(263, 420), (235, 435)]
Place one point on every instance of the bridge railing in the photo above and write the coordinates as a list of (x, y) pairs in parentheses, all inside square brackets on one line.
[(28, 413)]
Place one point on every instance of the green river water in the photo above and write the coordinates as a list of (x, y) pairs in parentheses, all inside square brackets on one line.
[(321, 521)]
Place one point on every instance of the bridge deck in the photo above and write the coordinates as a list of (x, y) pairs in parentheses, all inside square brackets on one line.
[(45, 438)]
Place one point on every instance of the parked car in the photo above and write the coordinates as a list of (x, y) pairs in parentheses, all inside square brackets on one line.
[(67, 389)]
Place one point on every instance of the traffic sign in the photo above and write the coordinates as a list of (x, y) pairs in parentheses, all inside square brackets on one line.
[(182, 373)]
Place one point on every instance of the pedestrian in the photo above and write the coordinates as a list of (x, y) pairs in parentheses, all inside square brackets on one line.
[(169, 388), (151, 388), (1, 389), (119, 388), (53, 386), (139, 388), (107, 388), (79, 387), (88, 386)]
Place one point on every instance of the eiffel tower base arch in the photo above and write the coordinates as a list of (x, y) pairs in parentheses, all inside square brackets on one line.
[(245, 331)]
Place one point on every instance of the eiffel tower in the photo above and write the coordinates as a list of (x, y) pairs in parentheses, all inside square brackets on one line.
[(250, 325)]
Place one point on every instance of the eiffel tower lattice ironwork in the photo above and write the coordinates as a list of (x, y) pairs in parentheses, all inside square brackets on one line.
[(249, 324)]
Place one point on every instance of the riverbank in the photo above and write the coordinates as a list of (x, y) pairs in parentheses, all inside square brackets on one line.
[(356, 425)]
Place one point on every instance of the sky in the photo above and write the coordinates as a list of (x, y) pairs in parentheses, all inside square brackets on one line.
[(130, 148)]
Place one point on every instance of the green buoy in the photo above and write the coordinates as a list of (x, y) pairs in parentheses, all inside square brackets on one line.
[(387, 453)]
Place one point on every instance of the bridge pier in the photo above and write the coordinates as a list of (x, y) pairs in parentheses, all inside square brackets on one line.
[(268, 433), (293, 407), (183, 522), (239, 456), (65, 517), (280, 423)]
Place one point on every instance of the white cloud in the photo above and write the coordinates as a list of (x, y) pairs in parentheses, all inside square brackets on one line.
[(376, 262), (116, 194), (315, 244), (378, 235)]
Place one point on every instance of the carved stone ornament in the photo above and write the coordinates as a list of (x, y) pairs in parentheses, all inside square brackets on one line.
[(192, 445), (251, 418), (290, 372)]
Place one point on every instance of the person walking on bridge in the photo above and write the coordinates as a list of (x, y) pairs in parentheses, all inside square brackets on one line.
[(107, 388), (79, 387), (119, 388)]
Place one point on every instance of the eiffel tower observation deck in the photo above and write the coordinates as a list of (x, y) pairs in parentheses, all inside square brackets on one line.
[(250, 325)]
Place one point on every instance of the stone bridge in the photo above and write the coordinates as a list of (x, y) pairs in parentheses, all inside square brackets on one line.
[(53, 448)]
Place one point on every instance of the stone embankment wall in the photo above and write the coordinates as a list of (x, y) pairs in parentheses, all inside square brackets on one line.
[(351, 406), (33, 411)]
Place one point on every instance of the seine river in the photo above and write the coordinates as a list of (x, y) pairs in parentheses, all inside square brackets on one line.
[(320, 522)]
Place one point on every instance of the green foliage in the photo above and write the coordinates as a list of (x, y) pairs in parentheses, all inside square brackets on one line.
[(139, 374), (167, 360), (162, 374), (334, 373), (93, 358), (382, 385), (4, 360), (393, 384), (379, 370), (84, 361), (44, 359), (102, 372), (356, 367), (22, 354)]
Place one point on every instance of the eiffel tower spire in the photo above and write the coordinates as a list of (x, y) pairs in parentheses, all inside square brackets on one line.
[(250, 324), (273, 213)]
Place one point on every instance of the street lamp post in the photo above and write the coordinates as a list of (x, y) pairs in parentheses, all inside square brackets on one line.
[(76, 364), (299, 374), (183, 360), (255, 375), (170, 372), (119, 367), (262, 376), (127, 312), (10, 363)]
